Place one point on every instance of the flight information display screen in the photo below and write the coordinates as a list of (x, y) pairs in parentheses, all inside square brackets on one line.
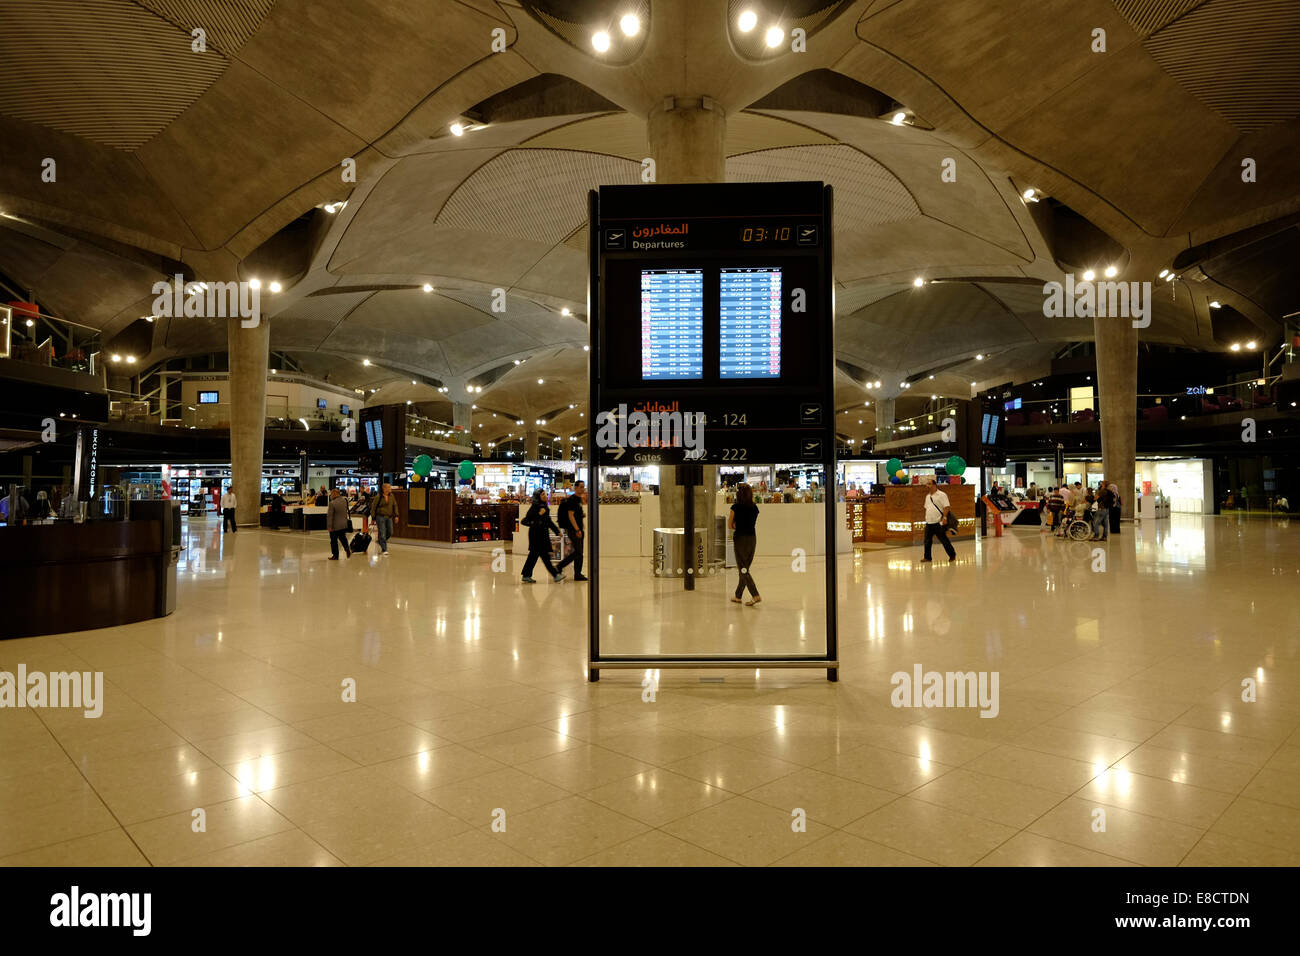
[(750, 305), (672, 324)]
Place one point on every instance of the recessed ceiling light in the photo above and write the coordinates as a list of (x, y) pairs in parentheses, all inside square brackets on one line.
[(565, 312), (457, 129), (899, 118), (918, 282), (972, 384), (1089, 275), (1163, 273), (979, 357), (747, 20), (516, 361), (116, 357), (774, 36), (275, 287), (1236, 347), (1030, 195), (1215, 304), (255, 283), (366, 362), (630, 24), (1249, 345), (130, 359), (427, 287), (600, 40), (1111, 272)]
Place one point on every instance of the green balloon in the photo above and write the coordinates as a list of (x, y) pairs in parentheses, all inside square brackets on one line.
[(422, 465), (893, 466), (956, 465), (465, 470)]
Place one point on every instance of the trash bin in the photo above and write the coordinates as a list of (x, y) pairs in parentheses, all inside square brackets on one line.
[(669, 558)]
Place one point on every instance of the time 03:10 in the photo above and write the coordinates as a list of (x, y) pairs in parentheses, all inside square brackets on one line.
[(764, 234)]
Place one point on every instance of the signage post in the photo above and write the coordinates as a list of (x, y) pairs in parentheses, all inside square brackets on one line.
[(710, 317)]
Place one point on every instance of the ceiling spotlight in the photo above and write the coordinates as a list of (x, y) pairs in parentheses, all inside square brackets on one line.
[(516, 361), (979, 357), (600, 40), (408, 401), (1236, 347), (469, 388), (255, 283), (747, 21), (1171, 277), (149, 318), (630, 24), (427, 287), (1249, 345), (931, 376), (899, 118), (1163, 273), (130, 359), (972, 384), (30, 323), (1215, 304), (540, 382), (774, 36), (116, 357), (918, 282), (1089, 275), (1111, 272), (275, 287), (457, 129), (933, 397), (571, 405), (565, 312), (1030, 195), (586, 348)]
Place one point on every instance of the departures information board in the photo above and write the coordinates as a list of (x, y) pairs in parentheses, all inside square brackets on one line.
[(713, 301)]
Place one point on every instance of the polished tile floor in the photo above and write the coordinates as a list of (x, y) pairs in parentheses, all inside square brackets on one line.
[(1121, 736)]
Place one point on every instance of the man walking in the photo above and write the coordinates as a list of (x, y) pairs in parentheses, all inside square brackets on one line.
[(336, 522), (384, 510), (937, 508), (571, 520), (228, 505)]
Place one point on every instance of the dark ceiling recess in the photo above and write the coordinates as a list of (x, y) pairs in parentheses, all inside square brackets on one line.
[(1076, 243), (287, 254), (825, 91), (1258, 263), (546, 95)]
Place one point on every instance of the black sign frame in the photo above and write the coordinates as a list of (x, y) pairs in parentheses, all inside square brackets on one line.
[(719, 226)]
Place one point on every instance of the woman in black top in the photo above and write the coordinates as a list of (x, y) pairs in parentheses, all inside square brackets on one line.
[(539, 524), (744, 514)]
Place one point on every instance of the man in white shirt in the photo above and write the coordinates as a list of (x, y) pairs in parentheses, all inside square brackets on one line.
[(228, 506), (936, 510)]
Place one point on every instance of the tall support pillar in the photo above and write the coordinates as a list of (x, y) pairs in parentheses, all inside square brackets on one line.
[(884, 420), (462, 423), (687, 142), (249, 354), (531, 445), (1117, 360)]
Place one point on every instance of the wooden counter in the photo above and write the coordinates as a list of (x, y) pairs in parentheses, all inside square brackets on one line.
[(898, 516), (74, 577), (447, 520)]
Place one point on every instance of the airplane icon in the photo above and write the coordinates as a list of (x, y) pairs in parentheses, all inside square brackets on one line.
[(615, 238), (812, 448), (807, 236)]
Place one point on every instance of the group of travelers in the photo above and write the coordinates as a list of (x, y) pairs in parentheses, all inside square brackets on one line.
[(1099, 506)]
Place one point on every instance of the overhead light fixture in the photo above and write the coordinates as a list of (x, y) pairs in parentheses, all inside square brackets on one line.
[(1111, 272), (1214, 304), (972, 384), (1163, 273), (600, 40), (1030, 195), (366, 362), (1089, 275), (541, 382), (1249, 345), (586, 348), (516, 361), (774, 36), (630, 24), (565, 312), (571, 405), (409, 402), (255, 283), (130, 359), (116, 358), (979, 357), (457, 129), (1236, 347), (427, 287), (469, 388), (747, 20), (275, 287), (30, 323), (899, 118), (918, 282), (148, 318)]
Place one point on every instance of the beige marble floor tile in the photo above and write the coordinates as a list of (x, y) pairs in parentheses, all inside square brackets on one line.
[(35, 825), (1221, 850), (1089, 748), (1150, 841), (1102, 723), (434, 768), (732, 768), (141, 800), (1197, 770), (259, 774), (657, 849), (469, 848), (567, 830), (659, 745), (471, 725), (883, 769), (656, 797), (1233, 747), (584, 767), (931, 832), (363, 720), (380, 745), (746, 831), (801, 747), (286, 848), (388, 825), (1030, 849), (1275, 786), (1046, 771), (172, 839), (845, 849), (474, 800), (252, 744), (517, 747), (1008, 802), (834, 801), (1268, 823), (107, 848), (1158, 797)]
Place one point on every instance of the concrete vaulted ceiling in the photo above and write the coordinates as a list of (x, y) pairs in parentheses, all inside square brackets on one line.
[(171, 159)]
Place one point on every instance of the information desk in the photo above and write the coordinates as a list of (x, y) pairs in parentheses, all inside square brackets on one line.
[(75, 577), (439, 514), (898, 516)]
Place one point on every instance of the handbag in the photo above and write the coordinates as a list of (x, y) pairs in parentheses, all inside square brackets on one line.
[(950, 522)]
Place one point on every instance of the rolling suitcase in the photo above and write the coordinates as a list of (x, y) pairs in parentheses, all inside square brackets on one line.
[(360, 541)]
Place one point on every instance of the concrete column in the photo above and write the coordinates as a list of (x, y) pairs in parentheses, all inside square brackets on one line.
[(461, 415), (884, 419), (1117, 360), (568, 449), (530, 445), (687, 144), (249, 355)]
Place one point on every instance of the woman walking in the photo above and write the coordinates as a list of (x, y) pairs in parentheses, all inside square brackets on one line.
[(744, 515), (539, 524)]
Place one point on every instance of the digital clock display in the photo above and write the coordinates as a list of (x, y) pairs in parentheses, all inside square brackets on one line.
[(765, 234)]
